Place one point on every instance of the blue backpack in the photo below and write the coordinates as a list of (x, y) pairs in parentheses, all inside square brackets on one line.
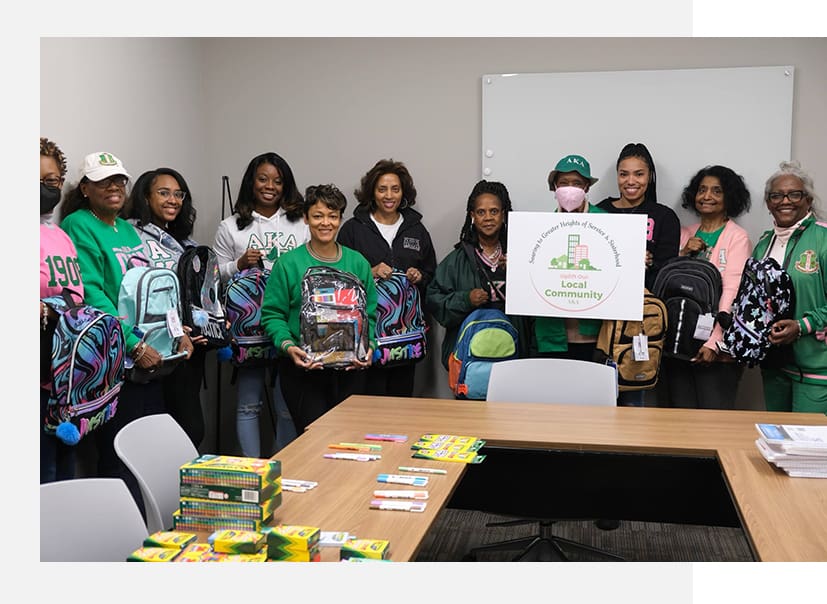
[(146, 297), (486, 336), (87, 369), (400, 325)]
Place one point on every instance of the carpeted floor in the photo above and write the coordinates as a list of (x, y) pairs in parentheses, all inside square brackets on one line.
[(455, 532)]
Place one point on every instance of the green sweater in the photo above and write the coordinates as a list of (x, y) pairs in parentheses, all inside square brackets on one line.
[(103, 254), (550, 332), (281, 308), (808, 270)]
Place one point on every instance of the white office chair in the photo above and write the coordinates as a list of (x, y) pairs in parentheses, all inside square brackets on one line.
[(89, 520), (562, 381), (154, 448)]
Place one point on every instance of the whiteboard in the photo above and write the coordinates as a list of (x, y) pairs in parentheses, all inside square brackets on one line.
[(688, 118)]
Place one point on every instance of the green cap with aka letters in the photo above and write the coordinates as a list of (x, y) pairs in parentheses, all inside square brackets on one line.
[(571, 163)]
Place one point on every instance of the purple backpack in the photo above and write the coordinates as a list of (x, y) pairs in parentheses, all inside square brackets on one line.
[(87, 369)]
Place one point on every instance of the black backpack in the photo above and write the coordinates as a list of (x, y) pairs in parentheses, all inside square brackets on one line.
[(690, 287), (200, 302)]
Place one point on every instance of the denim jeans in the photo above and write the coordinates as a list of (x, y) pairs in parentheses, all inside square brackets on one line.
[(251, 382)]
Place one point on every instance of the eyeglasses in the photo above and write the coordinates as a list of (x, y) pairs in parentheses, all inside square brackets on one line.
[(51, 182), (119, 180), (166, 194), (794, 196)]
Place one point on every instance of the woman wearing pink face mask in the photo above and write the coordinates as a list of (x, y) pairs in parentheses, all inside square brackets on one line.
[(556, 337)]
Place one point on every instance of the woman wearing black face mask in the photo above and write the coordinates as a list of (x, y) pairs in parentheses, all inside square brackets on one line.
[(58, 270)]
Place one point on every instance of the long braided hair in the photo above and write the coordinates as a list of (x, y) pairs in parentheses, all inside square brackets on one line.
[(468, 234)]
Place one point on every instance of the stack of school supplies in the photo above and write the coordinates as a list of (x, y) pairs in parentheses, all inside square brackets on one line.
[(162, 546), (801, 451), (222, 546), (292, 543), (372, 549), (223, 492), (448, 447)]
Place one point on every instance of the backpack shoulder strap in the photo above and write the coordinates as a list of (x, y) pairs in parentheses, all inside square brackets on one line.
[(472, 256)]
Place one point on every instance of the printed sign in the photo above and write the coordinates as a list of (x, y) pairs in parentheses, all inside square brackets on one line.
[(583, 266)]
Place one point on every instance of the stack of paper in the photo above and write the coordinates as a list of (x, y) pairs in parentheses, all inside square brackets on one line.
[(800, 451)]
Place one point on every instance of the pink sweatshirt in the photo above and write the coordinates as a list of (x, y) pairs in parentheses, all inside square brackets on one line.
[(58, 262), (729, 255)]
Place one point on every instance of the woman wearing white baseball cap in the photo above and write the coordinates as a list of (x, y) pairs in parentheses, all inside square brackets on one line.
[(107, 246)]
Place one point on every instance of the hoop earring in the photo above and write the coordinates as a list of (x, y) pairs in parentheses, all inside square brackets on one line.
[(404, 204)]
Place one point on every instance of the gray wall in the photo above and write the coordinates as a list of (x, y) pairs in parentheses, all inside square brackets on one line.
[(333, 106)]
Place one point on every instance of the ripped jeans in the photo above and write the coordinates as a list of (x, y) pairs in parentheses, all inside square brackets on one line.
[(251, 383)]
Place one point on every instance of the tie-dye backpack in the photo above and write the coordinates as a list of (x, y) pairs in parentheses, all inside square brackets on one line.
[(87, 369), (251, 346), (400, 325)]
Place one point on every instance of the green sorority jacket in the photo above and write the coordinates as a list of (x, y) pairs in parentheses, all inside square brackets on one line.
[(447, 299), (806, 260)]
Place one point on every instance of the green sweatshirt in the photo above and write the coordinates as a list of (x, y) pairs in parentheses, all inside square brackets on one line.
[(281, 308), (104, 252)]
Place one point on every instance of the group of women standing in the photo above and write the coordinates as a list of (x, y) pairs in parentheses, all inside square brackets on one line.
[(276, 227)]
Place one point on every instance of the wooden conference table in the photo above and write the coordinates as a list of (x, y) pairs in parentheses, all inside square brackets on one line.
[(785, 519)]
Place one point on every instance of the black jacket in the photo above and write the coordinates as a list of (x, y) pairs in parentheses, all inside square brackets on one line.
[(663, 233), (411, 247)]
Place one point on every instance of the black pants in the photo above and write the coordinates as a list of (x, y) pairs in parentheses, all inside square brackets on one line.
[(134, 401), (312, 393), (695, 386), (578, 351), (182, 395), (391, 381), (57, 460)]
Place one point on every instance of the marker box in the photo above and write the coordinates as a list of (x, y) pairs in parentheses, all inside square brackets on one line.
[(236, 542), (195, 552), (376, 549), (294, 536), (170, 539), (153, 554)]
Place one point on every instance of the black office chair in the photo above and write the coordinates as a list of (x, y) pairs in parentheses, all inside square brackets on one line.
[(561, 381)]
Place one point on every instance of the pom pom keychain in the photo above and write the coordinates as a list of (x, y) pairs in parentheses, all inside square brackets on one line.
[(68, 433), (200, 317), (224, 354)]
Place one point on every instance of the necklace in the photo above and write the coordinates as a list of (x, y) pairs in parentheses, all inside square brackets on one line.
[(491, 259), (109, 224), (335, 258)]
